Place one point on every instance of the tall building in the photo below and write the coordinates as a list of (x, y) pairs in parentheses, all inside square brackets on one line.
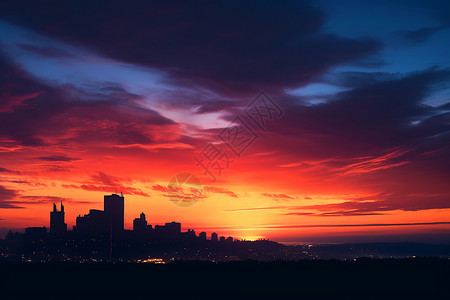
[(92, 223), (202, 236), (57, 224), (140, 224), (173, 229), (214, 237), (114, 212)]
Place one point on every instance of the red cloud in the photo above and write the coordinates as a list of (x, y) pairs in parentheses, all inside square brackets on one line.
[(219, 190), (277, 196)]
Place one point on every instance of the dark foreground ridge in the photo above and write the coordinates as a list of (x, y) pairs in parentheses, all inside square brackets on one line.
[(425, 278)]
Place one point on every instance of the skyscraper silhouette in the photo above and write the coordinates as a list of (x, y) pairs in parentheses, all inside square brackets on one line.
[(140, 224), (57, 224), (173, 228), (92, 223), (114, 212)]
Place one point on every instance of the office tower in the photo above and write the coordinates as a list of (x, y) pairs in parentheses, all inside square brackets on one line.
[(114, 212), (214, 237), (140, 224), (202, 236), (57, 224), (173, 229), (92, 223)]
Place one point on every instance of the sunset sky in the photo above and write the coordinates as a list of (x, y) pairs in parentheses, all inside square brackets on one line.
[(106, 95)]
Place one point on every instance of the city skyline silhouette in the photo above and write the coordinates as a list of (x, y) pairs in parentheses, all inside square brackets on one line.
[(227, 149)]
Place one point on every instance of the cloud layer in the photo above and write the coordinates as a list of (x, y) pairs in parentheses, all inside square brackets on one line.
[(129, 94)]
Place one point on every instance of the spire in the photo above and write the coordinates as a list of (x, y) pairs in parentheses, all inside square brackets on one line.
[(54, 207), (62, 207)]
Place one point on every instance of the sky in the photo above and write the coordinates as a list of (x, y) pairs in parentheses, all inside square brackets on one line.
[(316, 122)]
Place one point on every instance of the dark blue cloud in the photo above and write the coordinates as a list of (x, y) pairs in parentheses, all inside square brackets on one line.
[(242, 45), (420, 35), (33, 112), (50, 52)]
